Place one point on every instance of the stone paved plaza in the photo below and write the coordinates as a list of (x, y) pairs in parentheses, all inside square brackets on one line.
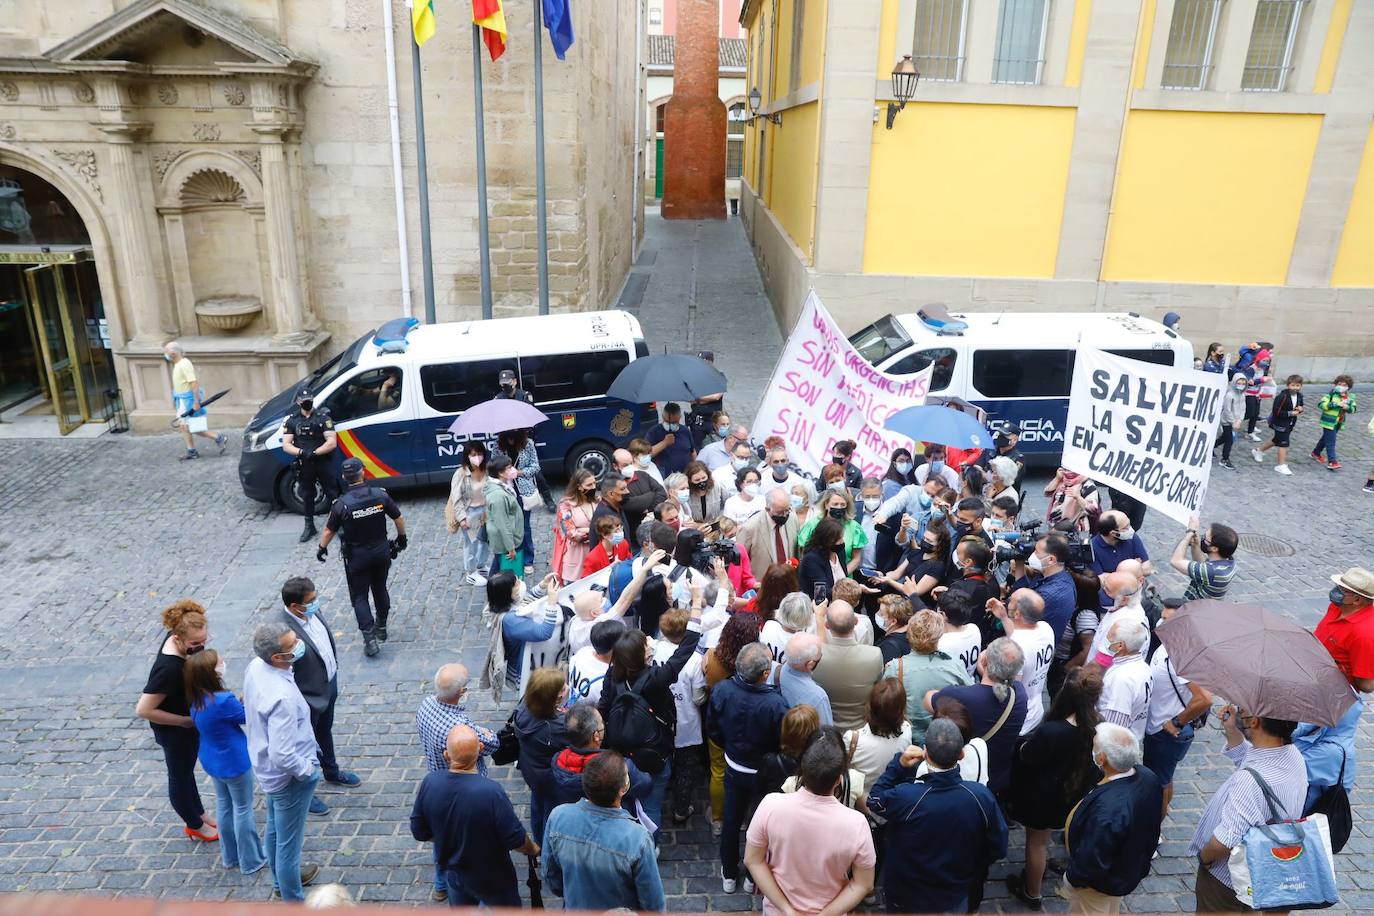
[(97, 536)]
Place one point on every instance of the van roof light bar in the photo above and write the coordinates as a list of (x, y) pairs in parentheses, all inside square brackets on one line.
[(391, 337), (936, 317)]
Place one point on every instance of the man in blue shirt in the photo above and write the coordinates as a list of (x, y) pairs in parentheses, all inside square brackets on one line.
[(670, 442), (473, 826), (1115, 541), (1051, 581)]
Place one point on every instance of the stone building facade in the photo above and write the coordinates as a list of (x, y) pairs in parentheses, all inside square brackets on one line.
[(230, 162)]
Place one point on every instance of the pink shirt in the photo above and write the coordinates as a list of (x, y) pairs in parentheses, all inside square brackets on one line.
[(813, 842)]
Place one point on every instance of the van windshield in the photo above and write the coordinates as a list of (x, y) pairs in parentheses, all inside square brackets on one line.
[(320, 379), (880, 340)]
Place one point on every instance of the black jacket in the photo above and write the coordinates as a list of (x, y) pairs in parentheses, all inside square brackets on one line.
[(540, 740), (815, 569), (645, 494), (745, 720), (319, 691), (657, 691), (1114, 832)]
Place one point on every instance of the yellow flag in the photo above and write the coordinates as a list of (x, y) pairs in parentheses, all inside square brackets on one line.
[(422, 20)]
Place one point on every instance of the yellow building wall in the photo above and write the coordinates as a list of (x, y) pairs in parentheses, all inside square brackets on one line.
[(1209, 197), (887, 41), (813, 42), (792, 188), (968, 190), (1331, 48), (1355, 259)]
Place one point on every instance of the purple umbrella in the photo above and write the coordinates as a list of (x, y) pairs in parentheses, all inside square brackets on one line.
[(496, 416)]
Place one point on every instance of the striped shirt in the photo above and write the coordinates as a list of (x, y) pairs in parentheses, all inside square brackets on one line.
[(1239, 803), (1209, 579)]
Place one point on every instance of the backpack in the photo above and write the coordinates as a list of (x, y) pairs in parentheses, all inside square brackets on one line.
[(1334, 802), (634, 730)]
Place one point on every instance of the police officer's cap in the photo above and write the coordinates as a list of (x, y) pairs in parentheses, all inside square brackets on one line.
[(352, 466), (304, 394), (507, 375)]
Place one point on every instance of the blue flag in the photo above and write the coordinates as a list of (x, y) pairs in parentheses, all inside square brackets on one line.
[(558, 19)]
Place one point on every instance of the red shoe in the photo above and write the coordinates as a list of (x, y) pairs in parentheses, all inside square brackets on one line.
[(1319, 459), (198, 835), (1333, 466)]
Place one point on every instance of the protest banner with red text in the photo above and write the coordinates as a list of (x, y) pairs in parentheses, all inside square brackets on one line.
[(822, 391)]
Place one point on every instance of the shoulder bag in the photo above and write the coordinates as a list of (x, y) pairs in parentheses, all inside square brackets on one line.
[(1334, 802), (1002, 719), (1284, 864)]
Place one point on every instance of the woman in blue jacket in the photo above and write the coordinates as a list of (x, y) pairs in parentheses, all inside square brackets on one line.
[(219, 719)]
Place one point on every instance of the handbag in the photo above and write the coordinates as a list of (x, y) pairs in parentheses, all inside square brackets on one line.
[(516, 565), (532, 502), (508, 750), (1284, 864), (1334, 802)]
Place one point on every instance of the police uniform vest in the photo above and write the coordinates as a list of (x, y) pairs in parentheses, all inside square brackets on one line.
[(309, 431), (362, 516)]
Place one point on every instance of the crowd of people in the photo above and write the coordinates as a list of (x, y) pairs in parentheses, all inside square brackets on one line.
[(863, 682)]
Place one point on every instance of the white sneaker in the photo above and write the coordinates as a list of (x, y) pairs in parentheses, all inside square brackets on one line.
[(715, 829), (1283, 469), (729, 885), (1257, 455), (748, 885), (476, 579), (1256, 437)]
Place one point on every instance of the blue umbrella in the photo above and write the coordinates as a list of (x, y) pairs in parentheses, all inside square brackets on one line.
[(667, 377), (496, 416), (941, 425)]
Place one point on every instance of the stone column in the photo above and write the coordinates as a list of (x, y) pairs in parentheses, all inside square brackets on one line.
[(288, 306), (694, 123)]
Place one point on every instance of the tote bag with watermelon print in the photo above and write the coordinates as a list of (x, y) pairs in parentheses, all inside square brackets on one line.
[(1284, 864)]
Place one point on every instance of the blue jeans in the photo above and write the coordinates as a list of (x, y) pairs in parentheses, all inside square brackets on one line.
[(239, 844), (286, 813), (653, 805), (541, 806), (1163, 752), (476, 552), (1328, 442)]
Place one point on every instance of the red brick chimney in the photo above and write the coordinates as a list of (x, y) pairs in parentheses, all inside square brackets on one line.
[(694, 121)]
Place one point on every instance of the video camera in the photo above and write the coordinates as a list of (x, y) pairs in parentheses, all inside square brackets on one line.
[(703, 552), (1017, 545)]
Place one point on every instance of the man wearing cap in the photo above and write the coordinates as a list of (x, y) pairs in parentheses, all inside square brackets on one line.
[(509, 389), (703, 409), (1347, 630), (359, 518), (308, 436)]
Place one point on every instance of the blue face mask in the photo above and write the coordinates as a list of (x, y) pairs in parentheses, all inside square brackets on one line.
[(617, 537), (903, 467), (937, 512), (722, 431), (298, 651), (1337, 594), (312, 608), (739, 464), (936, 466), (796, 501)]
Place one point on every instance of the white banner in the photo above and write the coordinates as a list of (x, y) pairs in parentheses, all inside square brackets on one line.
[(822, 391), (1144, 429)]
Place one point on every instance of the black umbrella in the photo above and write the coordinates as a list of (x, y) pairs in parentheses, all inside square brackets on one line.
[(667, 377), (536, 894), (205, 403)]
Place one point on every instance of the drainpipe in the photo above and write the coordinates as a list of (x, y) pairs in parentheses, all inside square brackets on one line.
[(639, 134), (393, 113)]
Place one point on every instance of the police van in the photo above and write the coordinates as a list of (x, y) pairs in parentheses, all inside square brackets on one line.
[(1017, 366), (400, 432)]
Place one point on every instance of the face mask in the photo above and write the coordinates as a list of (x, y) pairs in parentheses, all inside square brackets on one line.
[(508, 386), (192, 650), (220, 667), (307, 405), (1036, 563), (722, 430), (779, 473), (628, 472), (929, 547), (796, 501), (670, 427), (1337, 594), (298, 650), (1342, 389), (871, 504), (683, 496), (475, 460), (781, 519), (617, 537), (924, 499), (936, 466), (643, 461), (1205, 545), (517, 597), (937, 512), (837, 459), (1125, 534), (167, 356), (837, 513), (836, 485), (903, 467), (700, 484), (751, 489), (1239, 386), (881, 621), (739, 464), (991, 524), (312, 608)]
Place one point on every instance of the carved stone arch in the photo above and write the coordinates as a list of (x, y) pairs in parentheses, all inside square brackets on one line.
[(87, 207), (188, 164)]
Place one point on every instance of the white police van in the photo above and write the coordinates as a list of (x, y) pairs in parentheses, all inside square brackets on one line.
[(401, 435), (1017, 366)]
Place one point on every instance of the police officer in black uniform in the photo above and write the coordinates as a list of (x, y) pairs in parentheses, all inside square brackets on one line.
[(308, 435), (509, 389), (359, 518)]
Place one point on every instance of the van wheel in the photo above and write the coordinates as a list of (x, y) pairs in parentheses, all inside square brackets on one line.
[(594, 457), (290, 500)]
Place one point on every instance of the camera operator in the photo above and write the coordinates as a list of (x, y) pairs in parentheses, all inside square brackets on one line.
[(1046, 572)]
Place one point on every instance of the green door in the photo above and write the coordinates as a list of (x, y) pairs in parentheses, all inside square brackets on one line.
[(658, 169)]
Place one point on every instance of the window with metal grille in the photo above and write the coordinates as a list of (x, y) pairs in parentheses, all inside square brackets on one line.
[(734, 140), (1020, 56), (938, 48), (660, 112), (1269, 60), (1192, 39)]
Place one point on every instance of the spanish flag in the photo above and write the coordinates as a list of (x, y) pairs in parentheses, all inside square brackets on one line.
[(422, 20), (488, 15)]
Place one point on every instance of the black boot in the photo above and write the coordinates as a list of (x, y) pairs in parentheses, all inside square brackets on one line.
[(370, 645), (380, 630), (309, 531)]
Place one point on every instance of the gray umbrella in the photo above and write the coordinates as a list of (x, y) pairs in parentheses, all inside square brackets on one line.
[(1263, 663)]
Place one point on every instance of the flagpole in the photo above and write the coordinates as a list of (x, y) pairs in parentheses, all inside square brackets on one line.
[(426, 252), (541, 199), (483, 231)]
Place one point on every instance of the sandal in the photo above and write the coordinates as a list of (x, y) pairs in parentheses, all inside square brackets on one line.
[(199, 834)]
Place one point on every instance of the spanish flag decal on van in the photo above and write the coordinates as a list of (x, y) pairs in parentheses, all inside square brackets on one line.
[(372, 465)]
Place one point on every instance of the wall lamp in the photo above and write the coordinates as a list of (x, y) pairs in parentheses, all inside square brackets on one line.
[(755, 100), (904, 79)]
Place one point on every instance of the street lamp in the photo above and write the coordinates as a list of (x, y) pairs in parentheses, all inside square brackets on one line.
[(755, 100), (904, 79)]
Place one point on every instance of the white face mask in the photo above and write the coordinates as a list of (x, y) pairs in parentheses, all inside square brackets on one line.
[(1125, 534), (628, 471), (644, 460), (683, 495), (220, 667), (871, 503), (1342, 389), (1036, 563), (836, 485), (751, 489)]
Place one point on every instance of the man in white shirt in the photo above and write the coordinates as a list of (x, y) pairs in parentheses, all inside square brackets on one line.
[(1126, 594), (726, 473), (719, 453), (779, 473), (1023, 619), (1127, 684), (282, 748), (689, 692), (588, 666), (963, 640), (1175, 704)]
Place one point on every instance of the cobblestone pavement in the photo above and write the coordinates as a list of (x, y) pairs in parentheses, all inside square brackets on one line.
[(97, 536)]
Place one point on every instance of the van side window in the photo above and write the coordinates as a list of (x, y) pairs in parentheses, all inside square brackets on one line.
[(454, 387), (567, 376), (372, 392), (1159, 357), (943, 358), (1023, 373)]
